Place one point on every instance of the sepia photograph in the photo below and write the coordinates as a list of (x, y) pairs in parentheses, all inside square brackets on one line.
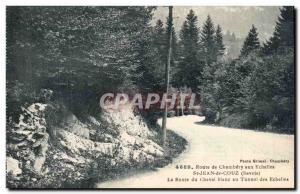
[(150, 97)]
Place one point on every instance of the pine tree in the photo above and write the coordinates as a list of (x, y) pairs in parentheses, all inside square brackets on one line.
[(208, 41), (159, 43), (174, 54), (233, 36), (251, 42), (219, 42), (152, 69), (189, 66), (174, 37), (209, 52), (158, 36), (283, 36)]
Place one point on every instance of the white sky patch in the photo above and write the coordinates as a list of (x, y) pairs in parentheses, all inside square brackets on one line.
[(237, 19)]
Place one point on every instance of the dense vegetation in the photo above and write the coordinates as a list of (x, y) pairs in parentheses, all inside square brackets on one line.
[(78, 52), (83, 52), (257, 89)]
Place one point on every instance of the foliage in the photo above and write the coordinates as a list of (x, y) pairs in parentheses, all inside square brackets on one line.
[(251, 42), (256, 90), (189, 62), (79, 52), (208, 41), (219, 41), (283, 36)]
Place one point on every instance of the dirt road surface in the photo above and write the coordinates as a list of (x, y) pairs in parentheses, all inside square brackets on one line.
[(219, 146)]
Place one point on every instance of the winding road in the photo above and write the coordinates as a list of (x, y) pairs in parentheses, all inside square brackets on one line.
[(223, 148)]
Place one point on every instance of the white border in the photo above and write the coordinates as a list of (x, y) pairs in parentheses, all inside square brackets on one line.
[(4, 3), (154, 2)]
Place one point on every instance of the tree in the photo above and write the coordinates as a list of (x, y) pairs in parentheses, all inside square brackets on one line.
[(73, 50), (262, 87), (189, 66), (159, 40), (251, 42), (159, 32), (219, 42), (233, 36), (208, 41), (152, 70), (283, 36), (212, 49), (267, 93), (174, 54)]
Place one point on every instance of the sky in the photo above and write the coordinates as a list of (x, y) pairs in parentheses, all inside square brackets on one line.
[(236, 19)]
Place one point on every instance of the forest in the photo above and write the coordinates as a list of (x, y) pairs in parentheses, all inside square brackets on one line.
[(83, 52), (61, 60)]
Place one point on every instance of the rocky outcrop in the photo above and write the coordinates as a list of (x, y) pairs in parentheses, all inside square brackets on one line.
[(12, 166), (28, 139), (73, 125), (75, 148)]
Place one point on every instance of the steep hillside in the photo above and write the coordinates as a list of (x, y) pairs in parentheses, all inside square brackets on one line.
[(76, 153)]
